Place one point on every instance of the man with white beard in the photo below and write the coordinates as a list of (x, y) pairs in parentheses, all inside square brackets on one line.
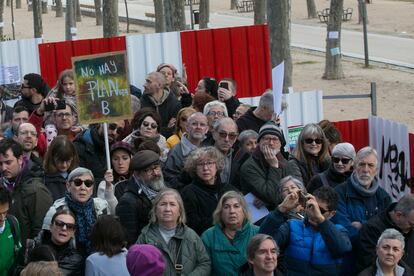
[(143, 186), (262, 172)]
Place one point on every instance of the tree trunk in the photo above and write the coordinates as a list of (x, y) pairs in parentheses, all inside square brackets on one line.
[(18, 4), (69, 19), (174, 15), (98, 12), (78, 15), (204, 13), (127, 15), (311, 8), (259, 12), (44, 6), (278, 20), (159, 16), (1, 18), (37, 18), (7, 3), (333, 62), (233, 4), (111, 22), (59, 8)]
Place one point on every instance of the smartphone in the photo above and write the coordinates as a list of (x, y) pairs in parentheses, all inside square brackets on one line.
[(224, 85), (60, 104), (302, 198)]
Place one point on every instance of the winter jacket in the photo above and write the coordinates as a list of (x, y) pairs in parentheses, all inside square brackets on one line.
[(108, 195), (56, 184), (133, 210), (167, 109), (69, 260), (159, 139), (31, 200), (372, 270), (257, 177), (186, 242), (372, 230), (200, 201), (10, 250), (227, 257), (90, 147), (232, 104), (333, 179), (300, 170), (250, 121)]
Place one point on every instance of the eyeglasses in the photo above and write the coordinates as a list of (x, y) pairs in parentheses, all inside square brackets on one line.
[(61, 224), (343, 160), (216, 113), (28, 133), (209, 164), (114, 126), (153, 168), (271, 139), (23, 86), (231, 135), (310, 141), (147, 124), (61, 115), (78, 182)]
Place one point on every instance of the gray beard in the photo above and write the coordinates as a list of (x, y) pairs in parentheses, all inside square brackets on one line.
[(156, 185)]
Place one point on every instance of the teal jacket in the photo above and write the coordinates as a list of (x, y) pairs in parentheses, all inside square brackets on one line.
[(226, 257)]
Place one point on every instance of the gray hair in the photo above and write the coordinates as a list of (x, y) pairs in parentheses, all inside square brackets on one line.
[(229, 195), (285, 180), (266, 101), (223, 121), (405, 205), (160, 78), (212, 104), (182, 219), (78, 172), (246, 134), (254, 245), (190, 164), (391, 234), (364, 152)]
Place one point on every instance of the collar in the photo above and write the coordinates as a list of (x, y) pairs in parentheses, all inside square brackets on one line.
[(186, 146)]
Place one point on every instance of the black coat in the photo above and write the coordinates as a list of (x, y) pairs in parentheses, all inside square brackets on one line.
[(372, 270), (372, 230), (56, 185), (133, 211), (249, 121), (333, 178), (200, 201)]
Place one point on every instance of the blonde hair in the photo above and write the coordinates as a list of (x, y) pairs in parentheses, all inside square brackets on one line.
[(229, 195), (182, 219), (41, 268)]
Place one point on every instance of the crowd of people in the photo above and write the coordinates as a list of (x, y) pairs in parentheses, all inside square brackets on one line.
[(173, 201)]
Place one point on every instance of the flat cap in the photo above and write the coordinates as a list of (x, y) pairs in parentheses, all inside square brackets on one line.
[(143, 159)]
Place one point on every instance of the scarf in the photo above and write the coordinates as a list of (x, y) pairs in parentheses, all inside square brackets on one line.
[(84, 219), (150, 193), (360, 189)]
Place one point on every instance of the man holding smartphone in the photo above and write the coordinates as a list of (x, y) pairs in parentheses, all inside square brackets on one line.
[(227, 94)]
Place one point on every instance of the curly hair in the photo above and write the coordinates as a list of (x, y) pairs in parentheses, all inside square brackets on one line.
[(210, 152)]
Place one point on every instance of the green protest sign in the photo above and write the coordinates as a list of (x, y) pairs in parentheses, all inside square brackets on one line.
[(293, 135), (102, 87)]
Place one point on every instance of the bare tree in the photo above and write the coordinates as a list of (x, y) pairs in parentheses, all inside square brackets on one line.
[(159, 16), (204, 13), (111, 22), (59, 8), (333, 61), (44, 7), (37, 18), (78, 14), (98, 12), (259, 12), (174, 15), (69, 19), (278, 20), (233, 4), (311, 8)]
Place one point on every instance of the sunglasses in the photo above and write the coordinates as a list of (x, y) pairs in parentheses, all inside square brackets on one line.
[(310, 141), (343, 160), (113, 126), (231, 135), (78, 182), (61, 224), (146, 124)]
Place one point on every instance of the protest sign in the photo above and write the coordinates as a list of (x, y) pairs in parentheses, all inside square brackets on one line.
[(102, 87)]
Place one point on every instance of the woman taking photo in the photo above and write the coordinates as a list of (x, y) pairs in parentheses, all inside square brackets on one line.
[(79, 200), (109, 244), (201, 196), (183, 250), (60, 159), (61, 239), (311, 155), (227, 240)]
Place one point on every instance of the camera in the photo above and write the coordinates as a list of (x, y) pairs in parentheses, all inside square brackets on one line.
[(60, 104)]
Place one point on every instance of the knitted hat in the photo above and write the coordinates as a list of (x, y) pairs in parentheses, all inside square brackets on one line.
[(344, 149), (143, 159), (272, 129), (145, 260), (121, 145)]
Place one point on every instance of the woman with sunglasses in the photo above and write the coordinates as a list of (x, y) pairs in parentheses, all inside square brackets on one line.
[(182, 117), (78, 199), (311, 155), (60, 239), (202, 195), (147, 123), (341, 168)]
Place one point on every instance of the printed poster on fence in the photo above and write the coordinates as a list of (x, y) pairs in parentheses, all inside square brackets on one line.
[(102, 87), (390, 139)]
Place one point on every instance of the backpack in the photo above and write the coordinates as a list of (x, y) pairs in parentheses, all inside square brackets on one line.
[(14, 230)]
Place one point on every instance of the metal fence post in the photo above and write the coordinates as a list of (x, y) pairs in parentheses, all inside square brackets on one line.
[(374, 98)]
